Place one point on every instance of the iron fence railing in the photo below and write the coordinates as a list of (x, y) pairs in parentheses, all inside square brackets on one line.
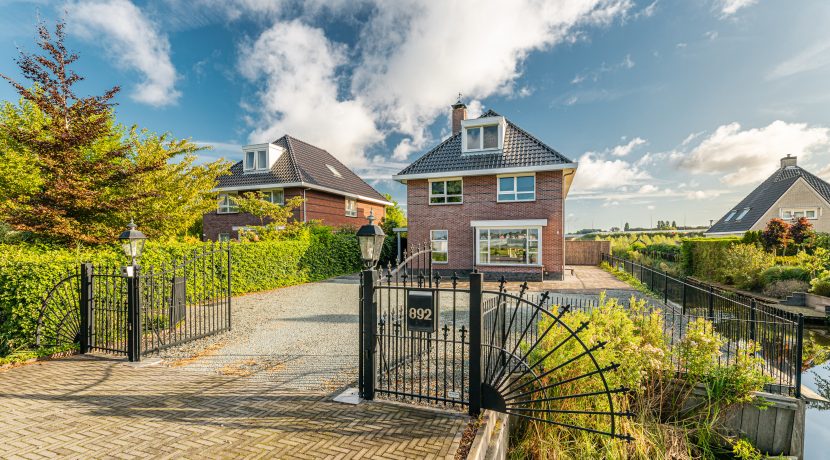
[(741, 320)]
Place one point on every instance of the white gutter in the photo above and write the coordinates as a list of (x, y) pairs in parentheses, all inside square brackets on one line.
[(485, 172), (301, 184)]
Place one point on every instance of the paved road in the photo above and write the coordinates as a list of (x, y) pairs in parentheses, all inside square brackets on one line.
[(262, 391)]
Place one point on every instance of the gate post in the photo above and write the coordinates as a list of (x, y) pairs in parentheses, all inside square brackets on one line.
[(476, 319), (133, 315), (370, 319), (230, 292), (86, 307)]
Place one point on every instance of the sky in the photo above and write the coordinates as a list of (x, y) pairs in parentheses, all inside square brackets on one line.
[(674, 110)]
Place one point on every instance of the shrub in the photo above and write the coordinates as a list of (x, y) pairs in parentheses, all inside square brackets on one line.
[(702, 257), (821, 285), (782, 273), (782, 288), (743, 265)]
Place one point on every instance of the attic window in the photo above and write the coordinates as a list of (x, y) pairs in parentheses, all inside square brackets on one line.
[(742, 214), (482, 134), (256, 160), (730, 216), (334, 170)]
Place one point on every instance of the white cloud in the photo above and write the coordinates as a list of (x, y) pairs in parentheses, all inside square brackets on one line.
[(730, 7), (133, 41), (650, 207), (747, 156), (597, 173), (711, 35), (812, 58), (411, 58), (295, 67), (625, 149)]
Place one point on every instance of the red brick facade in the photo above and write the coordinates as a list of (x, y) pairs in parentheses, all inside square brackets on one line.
[(479, 203), (328, 208)]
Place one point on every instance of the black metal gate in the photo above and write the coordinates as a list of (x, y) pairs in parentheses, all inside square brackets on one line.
[(131, 311), (449, 341)]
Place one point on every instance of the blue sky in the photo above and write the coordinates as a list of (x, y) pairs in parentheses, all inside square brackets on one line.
[(674, 109)]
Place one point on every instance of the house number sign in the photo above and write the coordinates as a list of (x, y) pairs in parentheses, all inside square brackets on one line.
[(420, 311)]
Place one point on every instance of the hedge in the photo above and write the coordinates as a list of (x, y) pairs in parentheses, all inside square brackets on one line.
[(703, 257), (28, 272)]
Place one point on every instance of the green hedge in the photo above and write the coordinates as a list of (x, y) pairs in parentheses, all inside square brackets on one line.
[(28, 272), (703, 257)]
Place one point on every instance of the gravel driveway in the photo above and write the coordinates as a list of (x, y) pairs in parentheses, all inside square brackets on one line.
[(300, 337)]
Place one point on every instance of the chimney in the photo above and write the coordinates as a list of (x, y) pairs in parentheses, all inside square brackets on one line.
[(789, 160), (459, 113)]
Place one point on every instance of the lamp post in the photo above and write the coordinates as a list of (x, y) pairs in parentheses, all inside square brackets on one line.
[(132, 241), (370, 238)]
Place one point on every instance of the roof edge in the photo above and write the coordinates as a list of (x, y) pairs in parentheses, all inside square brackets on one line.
[(240, 188), (487, 172)]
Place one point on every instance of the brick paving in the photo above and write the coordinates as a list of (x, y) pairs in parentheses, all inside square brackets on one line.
[(93, 407)]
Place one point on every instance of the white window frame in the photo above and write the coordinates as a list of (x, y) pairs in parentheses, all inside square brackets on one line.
[(445, 195), (223, 237), (742, 214), (816, 213), (351, 211), (270, 192), (231, 207), (515, 192), (730, 215), (246, 166), (446, 241), (481, 123), (527, 248), (334, 171)]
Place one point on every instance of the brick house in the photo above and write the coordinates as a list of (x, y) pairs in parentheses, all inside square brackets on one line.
[(286, 168), (790, 193), (490, 197)]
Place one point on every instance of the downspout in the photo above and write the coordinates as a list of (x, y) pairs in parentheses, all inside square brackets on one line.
[(564, 250), (305, 210)]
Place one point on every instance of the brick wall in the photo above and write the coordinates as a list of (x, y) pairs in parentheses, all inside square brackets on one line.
[(480, 204), (322, 206)]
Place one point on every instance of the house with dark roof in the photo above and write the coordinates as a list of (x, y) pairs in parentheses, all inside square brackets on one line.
[(790, 193), (490, 197), (286, 168)]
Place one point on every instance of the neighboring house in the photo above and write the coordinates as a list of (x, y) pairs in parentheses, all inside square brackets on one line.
[(790, 193), (286, 168), (490, 197)]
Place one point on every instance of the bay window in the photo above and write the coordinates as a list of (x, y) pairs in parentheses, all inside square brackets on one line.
[(227, 204), (516, 188), (440, 250), (446, 191), (508, 246)]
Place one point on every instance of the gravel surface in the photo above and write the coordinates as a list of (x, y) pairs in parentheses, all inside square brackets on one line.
[(299, 337)]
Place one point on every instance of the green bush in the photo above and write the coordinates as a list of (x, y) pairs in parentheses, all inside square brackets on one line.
[(703, 257), (27, 272), (743, 264), (821, 285), (781, 273)]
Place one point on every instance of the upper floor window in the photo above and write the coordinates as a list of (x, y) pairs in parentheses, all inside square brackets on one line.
[(482, 134), (517, 188), (334, 171), (256, 160), (797, 213), (730, 216), (227, 205), (742, 214), (351, 207), (274, 196), (446, 191)]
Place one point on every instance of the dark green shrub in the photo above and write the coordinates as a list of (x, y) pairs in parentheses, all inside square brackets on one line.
[(782, 273), (703, 257), (821, 285)]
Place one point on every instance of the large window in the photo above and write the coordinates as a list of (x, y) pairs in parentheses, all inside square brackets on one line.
[(483, 137), (446, 191), (517, 188), (440, 249), (256, 160), (351, 207), (227, 205), (274, 196), (508, 246), (797, 213)]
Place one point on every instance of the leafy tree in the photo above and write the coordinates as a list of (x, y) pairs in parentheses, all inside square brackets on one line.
[(627, 227), (802, 233), (395, 216), (70, 173), (674, 224), (270, 214), (776, 235)]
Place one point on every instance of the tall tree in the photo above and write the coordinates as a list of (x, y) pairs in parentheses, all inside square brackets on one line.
[(83, 174), (802, 233), (395, 217), (776, 235)]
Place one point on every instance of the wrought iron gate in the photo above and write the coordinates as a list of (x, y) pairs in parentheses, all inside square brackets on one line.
[(106, 308), (425, 338)]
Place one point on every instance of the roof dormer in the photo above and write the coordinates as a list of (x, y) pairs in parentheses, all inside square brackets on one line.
[(260, 157), (482, 135)]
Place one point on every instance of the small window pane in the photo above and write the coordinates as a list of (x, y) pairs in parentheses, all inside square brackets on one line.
[(439, 235), (526, 196), (811, 214), (491, 137), (454, 187), (506, 184), (249, 160), (454, 199), (524, 184), (262, 161), (507, 196), (474, 138), (438, 199), (438, 188)]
